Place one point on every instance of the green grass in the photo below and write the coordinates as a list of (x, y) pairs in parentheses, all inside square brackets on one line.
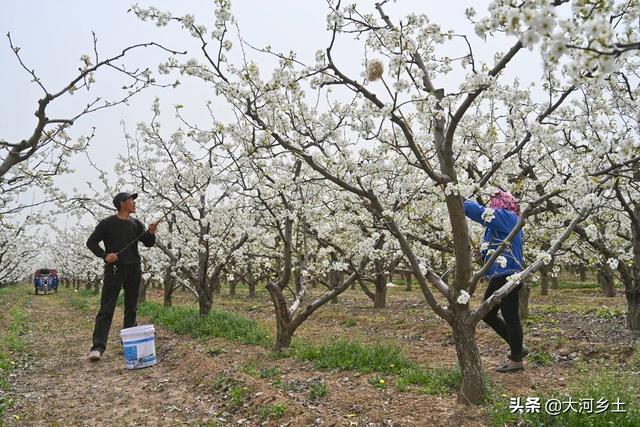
[(318, 390), (269, 373), (346, 355), (605, 312), (272, 412), (215, 351), (251, 370), (541, 358), (236, 391), (378, 381), (348, 323), (286, 386), (83, 299), (589, 384), (11, 342), (223, 382), (381, 359), (80, 303), (238, 395), (435, 381), (218, 323)]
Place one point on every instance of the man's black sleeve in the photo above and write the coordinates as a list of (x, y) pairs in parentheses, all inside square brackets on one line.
[(147, 238), (96, 237)]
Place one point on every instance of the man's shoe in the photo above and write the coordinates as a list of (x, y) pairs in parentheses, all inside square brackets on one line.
[(94, 355)]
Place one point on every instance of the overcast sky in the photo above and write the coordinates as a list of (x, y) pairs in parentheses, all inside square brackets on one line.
[(53, 35)]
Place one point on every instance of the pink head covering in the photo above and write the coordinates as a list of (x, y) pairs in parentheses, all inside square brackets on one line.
[(504, 200)]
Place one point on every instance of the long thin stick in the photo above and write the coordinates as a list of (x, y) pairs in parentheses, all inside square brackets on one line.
[(156, 222)]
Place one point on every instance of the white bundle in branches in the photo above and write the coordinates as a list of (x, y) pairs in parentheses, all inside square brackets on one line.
[(375, 68)]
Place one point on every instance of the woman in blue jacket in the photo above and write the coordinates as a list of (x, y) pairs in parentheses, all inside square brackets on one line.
[(499, 220)]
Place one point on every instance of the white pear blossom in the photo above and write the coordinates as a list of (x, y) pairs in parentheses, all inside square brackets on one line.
[(488, 215), (501, 261), (464, 297), (545, 257)]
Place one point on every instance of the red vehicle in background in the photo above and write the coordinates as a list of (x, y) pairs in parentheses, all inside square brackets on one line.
[(45, 280)]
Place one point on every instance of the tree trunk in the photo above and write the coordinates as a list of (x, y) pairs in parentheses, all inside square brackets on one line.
[(205, 288), (168, 287), (544, 281), (283, 337), (142, 291), (381, 295), (472, 388), (366, 290), (204, 304), (407, 282), (167, 300), (96, 286), (283, 331), (297, 278), (582, 271), (335, 278), (523, 295), (380, 300), (251, 282), (633, 309), (632, 286), (605, 280), (217, 287), (554, 282), (232, 287)]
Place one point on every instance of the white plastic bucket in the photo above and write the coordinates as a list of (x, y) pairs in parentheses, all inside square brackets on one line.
[(139, 346)]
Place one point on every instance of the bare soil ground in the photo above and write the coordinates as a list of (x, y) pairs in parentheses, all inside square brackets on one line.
[(54, 383)]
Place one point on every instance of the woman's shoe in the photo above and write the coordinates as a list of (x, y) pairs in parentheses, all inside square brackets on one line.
[(523, 354), (510, 366)]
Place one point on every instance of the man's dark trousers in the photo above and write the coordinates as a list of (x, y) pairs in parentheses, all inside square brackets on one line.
[(125, 276)]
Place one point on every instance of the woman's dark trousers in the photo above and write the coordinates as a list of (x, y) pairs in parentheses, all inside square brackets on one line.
[(508, 326)]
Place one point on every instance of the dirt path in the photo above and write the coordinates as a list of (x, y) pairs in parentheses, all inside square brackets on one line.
[(57, 385), (217, 382)]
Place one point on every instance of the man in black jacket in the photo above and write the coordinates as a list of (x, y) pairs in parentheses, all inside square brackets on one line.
[(120, 234)]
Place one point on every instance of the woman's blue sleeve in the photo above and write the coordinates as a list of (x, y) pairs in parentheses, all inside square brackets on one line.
[(473, 211)]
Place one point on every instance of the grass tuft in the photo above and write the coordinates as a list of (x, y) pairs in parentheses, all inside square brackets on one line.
[(541, 358), (353, 356), (381, 359), (318, 390), (272, 412), (218, 323), (605, 312), (435, 381)]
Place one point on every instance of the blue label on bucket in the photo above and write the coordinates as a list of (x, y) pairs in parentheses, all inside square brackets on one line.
[(149, 360), (138, 341), (130, 352)]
